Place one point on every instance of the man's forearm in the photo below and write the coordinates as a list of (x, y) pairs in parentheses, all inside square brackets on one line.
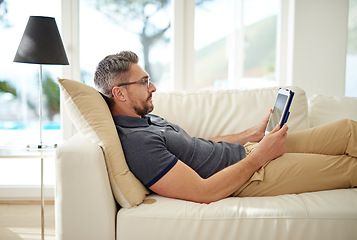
[(250, 135), (254, 134), (233, 177), (194, 188), (228, 180)]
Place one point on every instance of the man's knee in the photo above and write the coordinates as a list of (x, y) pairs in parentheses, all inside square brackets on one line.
[(347, 122)]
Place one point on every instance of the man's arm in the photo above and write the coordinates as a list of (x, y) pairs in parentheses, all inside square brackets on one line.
[(254, 134), (182, 182)]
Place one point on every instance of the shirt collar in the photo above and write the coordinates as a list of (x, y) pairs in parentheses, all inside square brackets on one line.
[(130, 122), (145, 121)]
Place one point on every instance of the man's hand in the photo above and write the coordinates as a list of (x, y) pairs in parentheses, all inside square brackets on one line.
[(272, 145), (260, 129)]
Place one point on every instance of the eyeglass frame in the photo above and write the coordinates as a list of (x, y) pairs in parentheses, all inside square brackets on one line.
[(142, 81)]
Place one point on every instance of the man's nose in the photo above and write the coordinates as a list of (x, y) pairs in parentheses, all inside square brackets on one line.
[(152, 87)]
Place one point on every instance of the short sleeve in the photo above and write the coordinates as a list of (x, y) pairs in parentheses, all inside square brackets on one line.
[(147, 156)]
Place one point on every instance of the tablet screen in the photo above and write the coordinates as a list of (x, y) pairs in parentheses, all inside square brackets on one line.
[(277, 113)]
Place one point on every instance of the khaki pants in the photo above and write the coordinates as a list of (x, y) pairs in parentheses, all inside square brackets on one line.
[(320, 158)]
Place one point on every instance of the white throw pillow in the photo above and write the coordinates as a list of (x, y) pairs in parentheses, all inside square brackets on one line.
[(325, 109)]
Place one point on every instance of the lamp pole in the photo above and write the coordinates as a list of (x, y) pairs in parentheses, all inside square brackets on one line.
[(40, 146)]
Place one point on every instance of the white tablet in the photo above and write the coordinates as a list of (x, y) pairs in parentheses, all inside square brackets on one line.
[(281, 108)]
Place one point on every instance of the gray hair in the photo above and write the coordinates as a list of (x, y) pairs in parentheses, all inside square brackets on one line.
[(111, 71)]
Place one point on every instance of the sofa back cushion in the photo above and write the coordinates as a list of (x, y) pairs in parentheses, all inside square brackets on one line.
[(91, 116), (214, 113), (325, 109)]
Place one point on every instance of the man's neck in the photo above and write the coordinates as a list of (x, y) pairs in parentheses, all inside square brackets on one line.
[(124, 112)]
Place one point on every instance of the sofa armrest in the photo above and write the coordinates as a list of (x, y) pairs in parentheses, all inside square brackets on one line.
[(85, 207)]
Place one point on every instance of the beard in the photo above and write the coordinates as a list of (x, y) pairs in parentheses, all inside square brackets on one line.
[(145, 108)]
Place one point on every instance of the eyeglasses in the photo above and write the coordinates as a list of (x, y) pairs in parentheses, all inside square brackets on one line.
[(147, 81)]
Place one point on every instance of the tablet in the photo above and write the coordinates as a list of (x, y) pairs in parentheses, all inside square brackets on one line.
[(281, 108)]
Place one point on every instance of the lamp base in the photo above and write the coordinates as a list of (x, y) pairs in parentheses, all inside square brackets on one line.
[(41, 147)]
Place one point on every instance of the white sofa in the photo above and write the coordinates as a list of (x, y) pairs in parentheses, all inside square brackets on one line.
[(86, 207)]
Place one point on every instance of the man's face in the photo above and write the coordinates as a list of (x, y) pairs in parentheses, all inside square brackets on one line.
[(139, 95)]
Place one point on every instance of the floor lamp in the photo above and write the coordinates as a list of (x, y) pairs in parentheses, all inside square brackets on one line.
[(41, 44)]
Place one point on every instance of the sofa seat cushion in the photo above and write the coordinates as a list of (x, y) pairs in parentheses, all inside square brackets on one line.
[(293, 216)]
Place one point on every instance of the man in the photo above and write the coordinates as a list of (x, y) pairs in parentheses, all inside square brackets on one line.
[(171, 163)]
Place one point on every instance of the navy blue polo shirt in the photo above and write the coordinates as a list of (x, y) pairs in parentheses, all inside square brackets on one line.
[(152, 146)]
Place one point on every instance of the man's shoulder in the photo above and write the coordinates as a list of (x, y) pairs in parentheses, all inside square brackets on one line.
[(139, 135), (141, 130)]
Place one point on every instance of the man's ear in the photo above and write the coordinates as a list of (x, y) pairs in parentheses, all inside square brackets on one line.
[(118, 94)]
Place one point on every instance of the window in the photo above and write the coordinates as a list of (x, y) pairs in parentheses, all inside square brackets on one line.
[(108, 27), (234, 40), (19, 93), (19, 82), (351, 61), (235, 43)]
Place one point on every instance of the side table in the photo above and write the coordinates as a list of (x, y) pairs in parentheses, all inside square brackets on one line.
[(23, 152)]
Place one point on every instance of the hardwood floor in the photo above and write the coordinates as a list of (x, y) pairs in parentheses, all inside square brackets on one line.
[(23, 221)]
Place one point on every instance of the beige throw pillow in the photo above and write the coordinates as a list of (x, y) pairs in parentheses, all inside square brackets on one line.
[(91, 116)]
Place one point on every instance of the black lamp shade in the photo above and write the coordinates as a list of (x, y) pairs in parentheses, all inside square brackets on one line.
[(41, 43)]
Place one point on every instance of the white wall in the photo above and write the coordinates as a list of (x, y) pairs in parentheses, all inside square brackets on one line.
[(318, 61)]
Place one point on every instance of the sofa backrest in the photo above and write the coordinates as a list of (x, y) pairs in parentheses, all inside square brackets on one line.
[(214, 113), (324, 109)]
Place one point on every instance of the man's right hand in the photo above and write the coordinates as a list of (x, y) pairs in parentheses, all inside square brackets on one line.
[(272, 145)]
